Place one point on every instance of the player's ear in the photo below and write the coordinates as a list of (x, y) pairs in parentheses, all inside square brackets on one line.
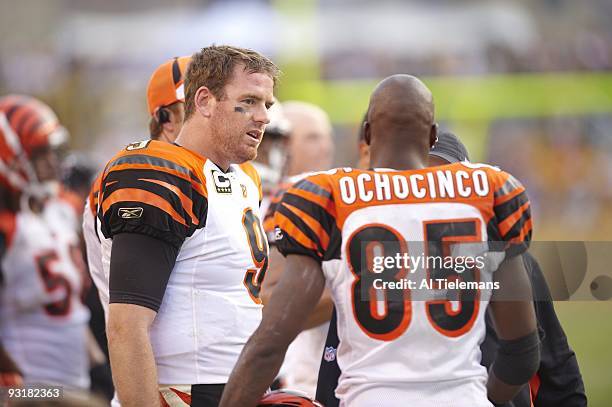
[(366, 132), (203, 101), (433, 135)]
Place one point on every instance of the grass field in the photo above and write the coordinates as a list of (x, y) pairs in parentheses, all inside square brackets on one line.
[(588, 326)]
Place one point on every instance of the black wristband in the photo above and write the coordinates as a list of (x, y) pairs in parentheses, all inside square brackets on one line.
[(518, 359)]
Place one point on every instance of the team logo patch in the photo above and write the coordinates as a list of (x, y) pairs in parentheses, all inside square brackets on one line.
[(278, 234), (138, 145), (130, 213), (330, 354), (223, 185)]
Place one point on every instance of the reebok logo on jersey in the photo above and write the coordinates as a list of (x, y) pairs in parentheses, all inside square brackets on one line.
[(223, 185), (330, 354), (130, 213)]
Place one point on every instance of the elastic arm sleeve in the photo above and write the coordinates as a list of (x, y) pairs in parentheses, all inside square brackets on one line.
[(517, 360), (140, 267)]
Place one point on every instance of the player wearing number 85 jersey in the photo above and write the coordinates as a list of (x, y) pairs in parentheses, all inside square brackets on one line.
[(398, 351)]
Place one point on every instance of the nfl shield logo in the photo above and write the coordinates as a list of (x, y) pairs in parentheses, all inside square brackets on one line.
[(330, 354)]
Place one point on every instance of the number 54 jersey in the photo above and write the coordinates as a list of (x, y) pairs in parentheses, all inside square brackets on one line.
[(211, 303), (407, 345)]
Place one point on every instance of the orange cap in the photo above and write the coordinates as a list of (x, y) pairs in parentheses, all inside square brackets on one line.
[(166, 84)]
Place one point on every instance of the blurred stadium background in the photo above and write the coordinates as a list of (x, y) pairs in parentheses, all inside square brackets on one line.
[(526, 84)]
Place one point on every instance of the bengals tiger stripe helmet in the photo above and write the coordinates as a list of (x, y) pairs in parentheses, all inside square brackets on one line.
[(25, 125), (287, 398)]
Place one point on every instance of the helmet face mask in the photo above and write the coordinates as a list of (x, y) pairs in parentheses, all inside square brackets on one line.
[(277, 155), (45, 161), (271, 159)]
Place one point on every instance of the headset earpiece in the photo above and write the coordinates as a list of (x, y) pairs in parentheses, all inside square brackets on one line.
[(163, 116)]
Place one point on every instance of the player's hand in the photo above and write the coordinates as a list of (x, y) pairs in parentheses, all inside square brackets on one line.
[(11, 379)]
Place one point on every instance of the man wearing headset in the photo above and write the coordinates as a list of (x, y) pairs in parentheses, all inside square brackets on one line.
[(166, 99)]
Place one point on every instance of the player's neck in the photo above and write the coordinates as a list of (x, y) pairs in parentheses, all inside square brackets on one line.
[(409, 160), (195, 137)]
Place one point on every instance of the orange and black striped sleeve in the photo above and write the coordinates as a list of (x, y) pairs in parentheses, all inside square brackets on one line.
[(269, 224), (153, 194), (92, 198), (306, 221), (511, 225)]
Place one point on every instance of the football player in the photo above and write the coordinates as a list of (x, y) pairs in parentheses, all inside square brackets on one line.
[(311, 130), (43, 324), (401, 352), (183, 249), (558, 381)]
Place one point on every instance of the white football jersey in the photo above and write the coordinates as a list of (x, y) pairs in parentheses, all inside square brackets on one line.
[(43, 322), (211, 304), (93, 244), (404, 346), (300, 368)]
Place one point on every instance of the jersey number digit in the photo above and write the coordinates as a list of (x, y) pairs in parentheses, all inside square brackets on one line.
[(446, 320), (259, 252), (384, 319), (377, 317), (54, 282)]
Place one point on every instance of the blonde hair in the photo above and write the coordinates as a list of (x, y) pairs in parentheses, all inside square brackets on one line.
[(213, 67)]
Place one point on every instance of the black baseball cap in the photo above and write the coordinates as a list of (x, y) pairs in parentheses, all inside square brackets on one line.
[(448, 147)]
